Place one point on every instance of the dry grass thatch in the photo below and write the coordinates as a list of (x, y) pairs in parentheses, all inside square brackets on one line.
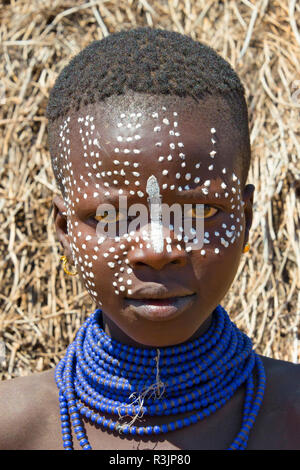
[(40, 308)]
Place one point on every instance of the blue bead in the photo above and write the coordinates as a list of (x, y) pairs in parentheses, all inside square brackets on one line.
[(179, 423), (78, 429), (186, 421), (164, 428), (67, 445)]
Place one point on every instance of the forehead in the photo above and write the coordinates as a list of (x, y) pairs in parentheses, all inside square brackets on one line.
[(179, 141)]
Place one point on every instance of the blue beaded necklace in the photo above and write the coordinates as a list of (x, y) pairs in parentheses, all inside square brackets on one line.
[(99, 375)]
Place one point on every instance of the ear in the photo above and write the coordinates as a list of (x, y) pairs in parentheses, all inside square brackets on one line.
[(248, 209), (60, 221)]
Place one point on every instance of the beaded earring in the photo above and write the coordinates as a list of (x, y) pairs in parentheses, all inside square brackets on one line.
[(64, 260), (246, 248)]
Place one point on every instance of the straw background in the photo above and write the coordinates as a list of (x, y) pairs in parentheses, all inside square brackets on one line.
[(40, 307)]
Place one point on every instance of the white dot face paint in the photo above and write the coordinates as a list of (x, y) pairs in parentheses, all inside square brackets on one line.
[(125, 170)]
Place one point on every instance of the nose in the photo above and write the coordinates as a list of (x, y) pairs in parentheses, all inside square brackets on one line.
[(140, 257)]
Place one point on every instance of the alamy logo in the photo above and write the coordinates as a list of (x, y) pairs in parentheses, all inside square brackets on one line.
[(186, 221)]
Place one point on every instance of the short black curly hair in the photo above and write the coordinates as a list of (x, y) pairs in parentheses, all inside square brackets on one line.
[(151, 61)]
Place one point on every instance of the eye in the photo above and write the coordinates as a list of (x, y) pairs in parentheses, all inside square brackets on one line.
[(208, 212), (110, 217)]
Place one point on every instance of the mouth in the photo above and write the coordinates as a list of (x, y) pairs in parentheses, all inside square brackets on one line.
[(158, 309)]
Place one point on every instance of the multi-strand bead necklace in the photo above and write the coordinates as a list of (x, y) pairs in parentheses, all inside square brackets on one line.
[(100, 376)]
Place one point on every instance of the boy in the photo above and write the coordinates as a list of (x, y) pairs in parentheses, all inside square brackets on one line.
[(152, 115)]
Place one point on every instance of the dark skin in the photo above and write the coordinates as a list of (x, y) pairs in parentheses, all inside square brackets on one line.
[(29, 411)]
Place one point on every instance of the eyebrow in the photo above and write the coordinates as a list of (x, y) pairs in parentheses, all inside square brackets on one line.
[(181, 195), (114, 198), (196, 192)]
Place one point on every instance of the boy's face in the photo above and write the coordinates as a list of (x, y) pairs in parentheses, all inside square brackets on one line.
[(192, 154)]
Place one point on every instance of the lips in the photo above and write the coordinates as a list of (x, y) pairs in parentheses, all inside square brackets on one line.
[(157, 303), (167, 301), (158, 292)]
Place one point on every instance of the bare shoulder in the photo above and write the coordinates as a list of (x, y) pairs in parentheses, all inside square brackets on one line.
[(283, 376), (278, 423), (283, 385), (28, 408)]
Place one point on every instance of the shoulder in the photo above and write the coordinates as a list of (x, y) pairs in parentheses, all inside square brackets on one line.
[(278, 422), (26, 404), (283, 384), (283, 377)]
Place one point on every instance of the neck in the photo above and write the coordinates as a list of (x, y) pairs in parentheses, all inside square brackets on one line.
[(114, 332)]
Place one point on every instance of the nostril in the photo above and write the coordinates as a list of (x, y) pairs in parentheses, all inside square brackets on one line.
[(141, 259)]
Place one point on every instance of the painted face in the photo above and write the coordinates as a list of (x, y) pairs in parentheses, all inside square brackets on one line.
[(185, 155)]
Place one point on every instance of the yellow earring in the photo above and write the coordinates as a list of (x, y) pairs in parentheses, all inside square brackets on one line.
[(246, 248), (64, 260)]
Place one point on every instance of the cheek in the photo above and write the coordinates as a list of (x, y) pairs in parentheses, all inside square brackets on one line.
[(222, 238), (85, 255), (103, 265), (215, 273), (115, 266), (115, 262), (221, 234), (86, 265)]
